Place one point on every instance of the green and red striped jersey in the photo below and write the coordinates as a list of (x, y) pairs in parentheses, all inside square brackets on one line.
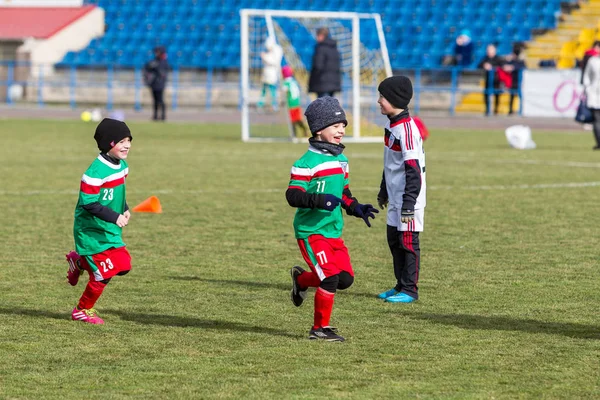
[(319, 172), (103, 182), (292, 89)]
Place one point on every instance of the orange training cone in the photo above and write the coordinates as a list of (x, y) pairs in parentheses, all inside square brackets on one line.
[(151, 205)]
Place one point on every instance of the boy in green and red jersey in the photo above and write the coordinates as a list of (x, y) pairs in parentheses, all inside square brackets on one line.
[(292, 90), (100, 215), (319, 188)]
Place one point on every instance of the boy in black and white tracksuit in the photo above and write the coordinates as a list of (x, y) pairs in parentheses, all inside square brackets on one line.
[(402, 188)]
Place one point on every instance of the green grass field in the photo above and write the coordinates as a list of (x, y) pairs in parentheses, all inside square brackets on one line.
[(509, 289)]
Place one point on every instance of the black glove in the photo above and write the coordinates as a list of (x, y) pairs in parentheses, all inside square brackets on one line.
[(329, 202), (407, 215), (365, 211), (382, 198)]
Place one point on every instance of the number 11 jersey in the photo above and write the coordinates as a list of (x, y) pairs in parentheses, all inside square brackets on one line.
[(319, 172)]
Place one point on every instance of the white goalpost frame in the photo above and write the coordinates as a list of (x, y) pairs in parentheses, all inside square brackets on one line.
[(245, 15)]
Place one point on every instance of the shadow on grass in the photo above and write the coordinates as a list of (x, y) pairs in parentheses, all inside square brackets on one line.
[(483, 322), (158, 319), (248, 284), (268, 285), (185, 322), (31, 312)]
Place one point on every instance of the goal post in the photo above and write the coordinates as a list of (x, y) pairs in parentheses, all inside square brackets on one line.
[(364, 63)]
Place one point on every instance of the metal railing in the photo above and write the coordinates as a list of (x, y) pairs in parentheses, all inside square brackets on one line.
[(111, 86)]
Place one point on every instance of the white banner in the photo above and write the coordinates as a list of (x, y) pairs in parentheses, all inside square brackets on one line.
[(551, 93), (41, 3)]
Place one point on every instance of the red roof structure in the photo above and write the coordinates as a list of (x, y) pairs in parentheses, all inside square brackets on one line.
[(37, 22)]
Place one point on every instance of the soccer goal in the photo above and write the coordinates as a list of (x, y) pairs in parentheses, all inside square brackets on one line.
[(364, 60)]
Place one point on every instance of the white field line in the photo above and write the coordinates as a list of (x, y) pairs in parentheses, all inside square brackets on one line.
[(283, 188), (463, 159)]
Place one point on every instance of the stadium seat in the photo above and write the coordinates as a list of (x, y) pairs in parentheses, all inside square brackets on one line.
[(417, 33)]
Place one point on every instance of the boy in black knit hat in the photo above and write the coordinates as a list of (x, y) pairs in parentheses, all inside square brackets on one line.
[(402, 188), (319, 188), (100, 215)]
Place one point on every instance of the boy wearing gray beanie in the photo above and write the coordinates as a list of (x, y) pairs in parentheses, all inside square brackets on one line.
[(319, 189), (402, 188)]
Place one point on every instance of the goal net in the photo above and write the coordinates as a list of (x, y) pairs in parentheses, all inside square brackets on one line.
[(364, 63)]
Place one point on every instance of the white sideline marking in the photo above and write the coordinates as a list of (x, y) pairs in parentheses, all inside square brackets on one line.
[(523, 186), (575, 164), (559, 163), (283, 188), (433, 157)]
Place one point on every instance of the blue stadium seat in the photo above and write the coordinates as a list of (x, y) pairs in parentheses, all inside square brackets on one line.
[(417, 33)]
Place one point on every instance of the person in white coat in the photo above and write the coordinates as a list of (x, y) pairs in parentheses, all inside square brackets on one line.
[(591, 83), (271, 59)]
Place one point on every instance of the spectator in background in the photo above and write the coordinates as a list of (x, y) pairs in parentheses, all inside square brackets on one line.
[(271, 59), (463, 51), (594, 51), (514, 65), (326, 73), (591, 83), (492, 84), (155, 77)]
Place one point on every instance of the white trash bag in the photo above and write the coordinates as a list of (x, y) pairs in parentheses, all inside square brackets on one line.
[(519, 137), (15, 92), (96, 115)]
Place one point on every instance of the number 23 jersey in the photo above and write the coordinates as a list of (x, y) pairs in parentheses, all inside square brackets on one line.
[(102, 182)]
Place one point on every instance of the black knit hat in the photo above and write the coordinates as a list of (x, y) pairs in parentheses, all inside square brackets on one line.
[(323, 112), (397, 90), (109, 132)]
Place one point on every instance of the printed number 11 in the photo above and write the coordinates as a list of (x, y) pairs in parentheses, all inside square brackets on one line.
[(322, 257), (320, 186)]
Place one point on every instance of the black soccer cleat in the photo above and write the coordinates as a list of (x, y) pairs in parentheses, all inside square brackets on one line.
[(327, 333), (298, 293)]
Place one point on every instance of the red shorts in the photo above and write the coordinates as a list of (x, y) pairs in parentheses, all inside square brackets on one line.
[(325, 257), (295, 114), (107, 264)]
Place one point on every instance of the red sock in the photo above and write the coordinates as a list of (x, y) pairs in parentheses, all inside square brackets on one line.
[(323, 307), (308, 279), (90, 295)]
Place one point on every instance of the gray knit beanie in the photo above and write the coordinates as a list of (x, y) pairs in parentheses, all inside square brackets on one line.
[(323, 112)]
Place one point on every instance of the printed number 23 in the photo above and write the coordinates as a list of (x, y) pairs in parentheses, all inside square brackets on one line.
[(320, 186), (106, 265), (108, 194)]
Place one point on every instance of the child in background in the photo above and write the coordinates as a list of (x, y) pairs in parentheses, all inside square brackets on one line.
[(319, 188), (292, 89), (271, 59), (402, 188), (100, 215)]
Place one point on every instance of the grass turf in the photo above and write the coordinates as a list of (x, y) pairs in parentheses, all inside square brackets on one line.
[(509, 287)]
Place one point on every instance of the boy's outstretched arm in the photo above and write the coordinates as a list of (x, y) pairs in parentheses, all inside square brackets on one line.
[(298, 198), (354, 208)]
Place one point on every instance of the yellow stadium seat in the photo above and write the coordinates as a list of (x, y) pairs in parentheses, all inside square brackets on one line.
[(566, 63), (568, 49), (581, 49), (586, 35)]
